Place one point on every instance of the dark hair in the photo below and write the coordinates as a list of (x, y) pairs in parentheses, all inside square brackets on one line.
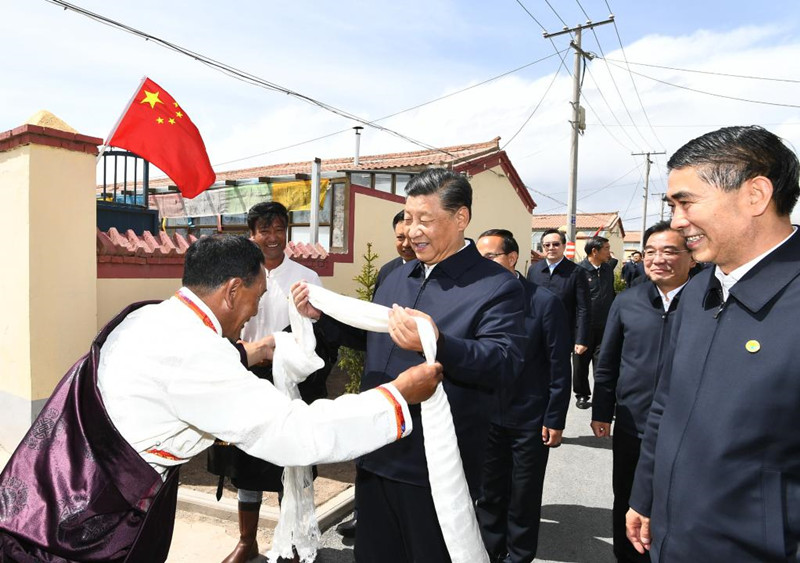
[(730, 156), (638, 251), (266, 212), (561, 234), (660, 227), (213, 260), (594, 243), (453, 189), (397, 218), (509, 243)]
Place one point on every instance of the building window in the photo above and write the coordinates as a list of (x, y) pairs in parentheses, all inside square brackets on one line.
[(383, 183)]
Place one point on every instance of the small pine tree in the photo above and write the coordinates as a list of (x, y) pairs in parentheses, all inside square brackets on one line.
[(352, 361)]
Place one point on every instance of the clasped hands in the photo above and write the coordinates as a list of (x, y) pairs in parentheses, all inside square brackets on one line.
[(416, 383)]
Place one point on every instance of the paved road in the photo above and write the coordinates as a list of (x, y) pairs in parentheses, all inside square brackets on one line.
[(576, 511)]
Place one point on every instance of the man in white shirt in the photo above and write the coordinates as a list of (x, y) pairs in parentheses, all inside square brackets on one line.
[(718, 477), (158, 386), (268, 223)]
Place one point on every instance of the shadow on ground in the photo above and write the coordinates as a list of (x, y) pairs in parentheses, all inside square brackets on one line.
[(588, 441), (572, 533)]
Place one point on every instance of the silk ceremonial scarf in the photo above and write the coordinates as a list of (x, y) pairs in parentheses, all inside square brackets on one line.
[(451, 499)]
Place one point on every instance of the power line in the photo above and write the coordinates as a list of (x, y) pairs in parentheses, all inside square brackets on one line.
[(555, 75), (735, 98), (712, 73), (240, 74), (633, 82), (483, 82)]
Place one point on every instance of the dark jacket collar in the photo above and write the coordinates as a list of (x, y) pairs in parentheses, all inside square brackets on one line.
[(654, 295), (455, 265), (763, 282)]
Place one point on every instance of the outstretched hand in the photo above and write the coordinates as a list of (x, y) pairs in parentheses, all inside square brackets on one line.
[(418, 382), (300, 297)]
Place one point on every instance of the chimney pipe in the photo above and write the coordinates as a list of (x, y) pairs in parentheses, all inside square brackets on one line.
[(358, 129)]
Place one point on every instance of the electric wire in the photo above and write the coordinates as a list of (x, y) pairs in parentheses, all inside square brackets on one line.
[(239, 74), (710, 72), (521, 127), (714, 94), (482, 83)]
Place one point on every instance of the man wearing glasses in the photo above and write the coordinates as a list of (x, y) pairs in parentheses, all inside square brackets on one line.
[(718, 477), (635, 345), (562, 277)]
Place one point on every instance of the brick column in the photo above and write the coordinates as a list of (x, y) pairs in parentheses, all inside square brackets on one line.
[(49, 274)]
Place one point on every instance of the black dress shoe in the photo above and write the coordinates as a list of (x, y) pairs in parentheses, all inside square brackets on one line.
[(347, 529), (583, 403)]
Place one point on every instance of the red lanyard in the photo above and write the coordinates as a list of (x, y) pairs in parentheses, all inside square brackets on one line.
[(196, 310)]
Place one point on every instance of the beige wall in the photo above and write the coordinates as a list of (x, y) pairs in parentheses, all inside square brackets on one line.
[(113, 295), (496, 205), (49, 310), (373, 223), (15, 336)]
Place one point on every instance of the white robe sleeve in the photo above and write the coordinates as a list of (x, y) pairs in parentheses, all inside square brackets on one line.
[(223, 399)]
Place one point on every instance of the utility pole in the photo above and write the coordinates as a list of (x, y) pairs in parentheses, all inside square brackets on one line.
[(663, 198), (647, 164), (578, 119)]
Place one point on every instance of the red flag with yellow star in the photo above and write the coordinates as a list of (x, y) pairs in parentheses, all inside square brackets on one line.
[(155, 127)]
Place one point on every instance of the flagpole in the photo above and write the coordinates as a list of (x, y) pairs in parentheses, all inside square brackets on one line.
[(104, 146)]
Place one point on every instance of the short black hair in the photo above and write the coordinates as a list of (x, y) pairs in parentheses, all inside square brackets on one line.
[(660, 227), (453, 189), (639, 252), (561, 234), (728, 157), (397, 218), (266, 212), (594, 243), (213, 260), (509, 243)]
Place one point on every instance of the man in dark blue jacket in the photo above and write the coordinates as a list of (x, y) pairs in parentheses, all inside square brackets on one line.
[(528, 416), (597, 269), (633, 269), (561, 276), (718, 477), (635, 345), (403, 246), (475, 306)]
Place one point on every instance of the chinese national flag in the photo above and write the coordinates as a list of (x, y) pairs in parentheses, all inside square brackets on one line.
[(157, 129)]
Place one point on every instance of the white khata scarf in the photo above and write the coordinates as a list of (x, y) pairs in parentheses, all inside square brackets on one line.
[(294, 360)]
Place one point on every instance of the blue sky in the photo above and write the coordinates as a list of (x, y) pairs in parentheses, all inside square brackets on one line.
[(374, 58)]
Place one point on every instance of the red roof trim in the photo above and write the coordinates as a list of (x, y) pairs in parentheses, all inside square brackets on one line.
[(36, 134), (501, 159)]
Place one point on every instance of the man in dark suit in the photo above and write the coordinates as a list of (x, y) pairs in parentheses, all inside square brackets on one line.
[(405, 253), (561, 276), (403, 246), (475, 307), (633, 269), (528, 416), (598, 271), (635, 345), (718, 477)]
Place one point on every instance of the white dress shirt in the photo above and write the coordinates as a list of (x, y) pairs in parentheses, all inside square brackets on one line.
[(171, 384), (273, 308)]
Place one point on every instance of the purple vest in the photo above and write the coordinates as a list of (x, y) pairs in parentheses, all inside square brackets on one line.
[(75, 490)]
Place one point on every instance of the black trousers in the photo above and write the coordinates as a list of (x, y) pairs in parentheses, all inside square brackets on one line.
[(511, 505), (580, 362), (626, 456), (397, 522)]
